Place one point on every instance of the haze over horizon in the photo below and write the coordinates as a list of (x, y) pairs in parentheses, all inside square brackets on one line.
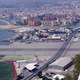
[(34, 3)]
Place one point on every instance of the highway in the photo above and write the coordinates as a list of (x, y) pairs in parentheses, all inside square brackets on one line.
[(53, 58)]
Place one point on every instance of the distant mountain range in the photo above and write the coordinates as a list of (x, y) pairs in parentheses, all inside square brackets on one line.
[(34, 3)]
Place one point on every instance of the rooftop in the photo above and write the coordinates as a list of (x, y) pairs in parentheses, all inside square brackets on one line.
[(6, 71), (62, 61), (31, 66)]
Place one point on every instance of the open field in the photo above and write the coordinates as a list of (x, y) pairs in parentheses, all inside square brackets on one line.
[(16, 57)]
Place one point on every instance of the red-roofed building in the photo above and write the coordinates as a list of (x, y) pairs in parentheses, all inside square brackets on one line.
[(34, 22)]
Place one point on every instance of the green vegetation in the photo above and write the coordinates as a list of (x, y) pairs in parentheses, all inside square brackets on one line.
[(76, 71), (16, 57), (68, 77), (5, 71), (76, 67)]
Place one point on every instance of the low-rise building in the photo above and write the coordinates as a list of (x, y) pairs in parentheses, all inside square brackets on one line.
[(7, 71), (33, 22), (62, 63)]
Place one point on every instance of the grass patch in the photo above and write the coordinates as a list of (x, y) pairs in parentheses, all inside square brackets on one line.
[(16, 57)]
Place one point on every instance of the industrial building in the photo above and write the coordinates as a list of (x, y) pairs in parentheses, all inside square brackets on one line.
[(62, 63), (7, 71)]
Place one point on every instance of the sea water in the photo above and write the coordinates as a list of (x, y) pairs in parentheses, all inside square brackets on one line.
[(6, 34)]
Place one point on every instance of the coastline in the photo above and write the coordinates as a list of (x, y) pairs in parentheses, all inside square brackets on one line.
[(7, 27)]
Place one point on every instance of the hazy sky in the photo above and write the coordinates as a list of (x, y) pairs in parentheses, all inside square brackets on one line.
[(33, 3)]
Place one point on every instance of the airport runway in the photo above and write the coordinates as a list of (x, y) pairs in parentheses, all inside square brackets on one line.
[(41, 48)]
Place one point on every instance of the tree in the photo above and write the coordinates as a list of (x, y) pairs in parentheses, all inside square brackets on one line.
[(76, 66), (76, 71), (68, 77)]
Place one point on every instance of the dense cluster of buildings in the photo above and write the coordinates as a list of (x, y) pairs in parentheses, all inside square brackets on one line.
[(37, 19), (50, 20)]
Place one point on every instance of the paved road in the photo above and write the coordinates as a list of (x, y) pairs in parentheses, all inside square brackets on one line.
[(75, 45), (53, 58)]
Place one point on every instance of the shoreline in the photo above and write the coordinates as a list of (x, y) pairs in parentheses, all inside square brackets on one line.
[(7, 27)]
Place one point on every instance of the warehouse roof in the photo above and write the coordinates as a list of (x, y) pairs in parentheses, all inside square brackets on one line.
[(31, 66), (62, 61)]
